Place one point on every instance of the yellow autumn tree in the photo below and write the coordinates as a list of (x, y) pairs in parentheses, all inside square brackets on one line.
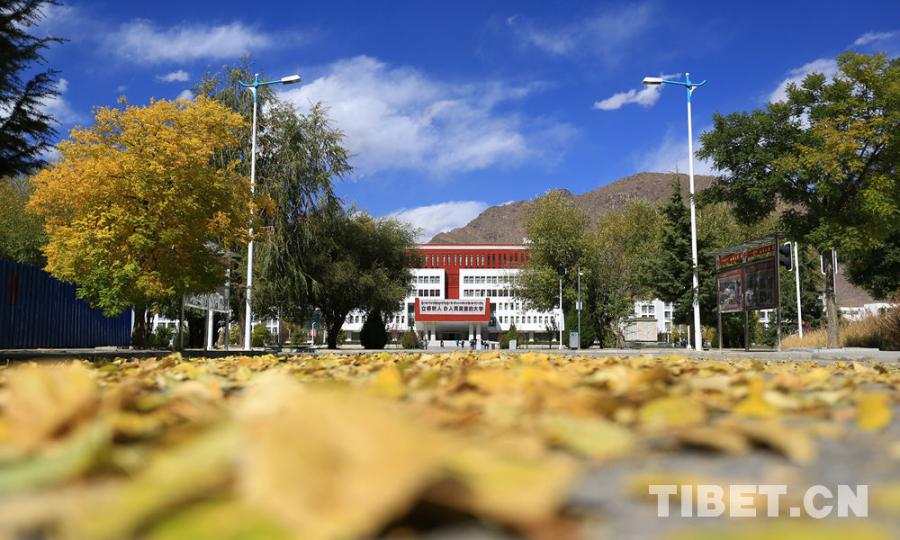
[(140, 204)]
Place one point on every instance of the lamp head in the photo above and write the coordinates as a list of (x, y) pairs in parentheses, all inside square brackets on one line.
[(290, 79), (652, 80)]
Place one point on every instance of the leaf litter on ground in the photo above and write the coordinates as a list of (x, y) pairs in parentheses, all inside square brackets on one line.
[(336, 446)]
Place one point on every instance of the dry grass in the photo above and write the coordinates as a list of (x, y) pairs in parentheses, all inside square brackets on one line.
[(877, 331)]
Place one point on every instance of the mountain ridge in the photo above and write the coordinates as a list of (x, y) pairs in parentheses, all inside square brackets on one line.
[(505, 223)]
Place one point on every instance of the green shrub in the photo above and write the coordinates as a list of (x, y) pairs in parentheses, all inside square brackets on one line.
[(186, 331), (162, 338), (410, 340), (260, 336), (299, 336), (511, 334), (373, 334), (234, 335)]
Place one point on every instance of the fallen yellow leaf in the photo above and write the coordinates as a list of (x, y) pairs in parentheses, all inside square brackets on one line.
[(873, 411)]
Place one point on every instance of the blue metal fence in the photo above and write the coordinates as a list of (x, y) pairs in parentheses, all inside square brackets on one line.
[(39, 311)]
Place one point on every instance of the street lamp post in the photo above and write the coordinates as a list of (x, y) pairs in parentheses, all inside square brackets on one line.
[(689, 86), (578, 307), (254, 91)]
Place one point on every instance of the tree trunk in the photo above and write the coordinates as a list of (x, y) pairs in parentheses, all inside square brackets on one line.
[(241, 321), (833, 340), (139, 334), (334, 329)]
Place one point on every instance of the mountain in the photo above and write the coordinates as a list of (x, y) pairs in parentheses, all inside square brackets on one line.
[(506, 223)]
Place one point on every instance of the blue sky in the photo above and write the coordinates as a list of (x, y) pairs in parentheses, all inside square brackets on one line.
[(450, 107)]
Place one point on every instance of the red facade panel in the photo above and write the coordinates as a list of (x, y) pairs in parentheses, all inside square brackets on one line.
[(452, 260)]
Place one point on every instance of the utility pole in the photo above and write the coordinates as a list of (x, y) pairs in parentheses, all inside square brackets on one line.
[(578, 308)]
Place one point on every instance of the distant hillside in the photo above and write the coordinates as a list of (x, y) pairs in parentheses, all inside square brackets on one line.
[(506, 223)]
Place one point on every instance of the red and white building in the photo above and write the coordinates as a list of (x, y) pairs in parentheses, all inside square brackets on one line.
[(465, 292)]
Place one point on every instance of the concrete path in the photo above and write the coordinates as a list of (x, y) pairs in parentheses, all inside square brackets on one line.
[(825, 355)]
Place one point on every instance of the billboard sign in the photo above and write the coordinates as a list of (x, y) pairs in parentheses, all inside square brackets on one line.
[(213, 301), (747, 277)]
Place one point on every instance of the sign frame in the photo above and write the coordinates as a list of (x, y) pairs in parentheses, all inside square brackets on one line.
[(750, 265)]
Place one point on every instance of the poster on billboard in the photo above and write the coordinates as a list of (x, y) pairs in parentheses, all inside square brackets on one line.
[(759, 285), (731, 291)]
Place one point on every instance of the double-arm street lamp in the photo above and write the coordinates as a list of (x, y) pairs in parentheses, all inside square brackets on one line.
[(254, 90), (689, 86)]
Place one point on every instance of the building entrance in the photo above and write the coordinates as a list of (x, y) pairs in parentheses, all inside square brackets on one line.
[(451, 336)]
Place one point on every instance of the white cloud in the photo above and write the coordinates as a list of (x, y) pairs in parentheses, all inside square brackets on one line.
[(175, 76), (605, 35), (826, 66), (436, 218), (645, 97), (672, 155), (142, 41), (399, 118), (185, 94), (121, 88), (57, 106), (871, 37), (64, 21)]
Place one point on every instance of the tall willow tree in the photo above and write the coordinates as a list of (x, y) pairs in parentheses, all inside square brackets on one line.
[(301, 156)]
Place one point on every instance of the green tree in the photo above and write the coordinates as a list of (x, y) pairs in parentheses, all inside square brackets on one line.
[(354, 261), (828, 153), (373, 334), (876, 268), (671, 271), (556, 229), (617, 270), (26, 130), (21, 232)]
